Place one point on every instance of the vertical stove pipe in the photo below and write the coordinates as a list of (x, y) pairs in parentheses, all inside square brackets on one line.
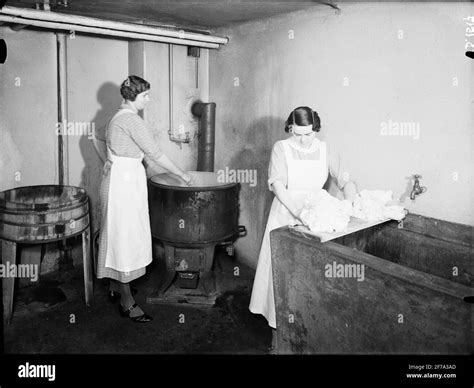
[(206, 145)]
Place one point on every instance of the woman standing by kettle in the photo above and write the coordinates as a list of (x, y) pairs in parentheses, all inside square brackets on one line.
[(298, 165), (125, 245)]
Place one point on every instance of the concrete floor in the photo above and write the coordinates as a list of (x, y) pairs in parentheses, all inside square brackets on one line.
[(52, 318)]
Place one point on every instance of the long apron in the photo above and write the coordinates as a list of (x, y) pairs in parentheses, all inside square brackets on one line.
[(129, 244), (304, 176)]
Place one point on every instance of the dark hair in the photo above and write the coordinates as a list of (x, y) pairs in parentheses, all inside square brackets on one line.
[(133, 86), (303, 116)]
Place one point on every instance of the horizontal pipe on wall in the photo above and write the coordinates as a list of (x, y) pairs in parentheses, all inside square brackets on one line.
[(110, 25), (103, 31)]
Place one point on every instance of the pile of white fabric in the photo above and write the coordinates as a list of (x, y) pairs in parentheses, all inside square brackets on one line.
[(324, 213), (374, 205)]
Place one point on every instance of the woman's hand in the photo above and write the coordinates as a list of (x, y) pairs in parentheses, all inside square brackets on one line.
[(167, 164), (350, 191), (297, 216), (188, 179)]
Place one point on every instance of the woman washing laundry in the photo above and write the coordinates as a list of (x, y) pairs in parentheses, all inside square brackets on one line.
[(299, 165), (125, 246)]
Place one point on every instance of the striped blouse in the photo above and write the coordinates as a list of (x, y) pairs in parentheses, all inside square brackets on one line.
[(128, 135)]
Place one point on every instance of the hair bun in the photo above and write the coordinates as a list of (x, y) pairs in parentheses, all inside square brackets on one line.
[(303, 115)]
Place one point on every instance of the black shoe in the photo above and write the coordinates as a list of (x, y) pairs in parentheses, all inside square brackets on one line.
[(140, 319), (271, 350), (114, 296)]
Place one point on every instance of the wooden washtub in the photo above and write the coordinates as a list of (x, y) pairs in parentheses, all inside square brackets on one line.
[(415, 296)]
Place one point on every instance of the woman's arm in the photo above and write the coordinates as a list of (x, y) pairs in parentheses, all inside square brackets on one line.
[(278, 178), (284, 197), (350, 191), (142, 136), (340, 175), (166, 163)]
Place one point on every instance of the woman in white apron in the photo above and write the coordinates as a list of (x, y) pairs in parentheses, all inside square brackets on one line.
[(125, 245), (298, 165)]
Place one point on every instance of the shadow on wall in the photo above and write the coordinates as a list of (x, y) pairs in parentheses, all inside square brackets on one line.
[(109, 99), (253, 157), (10, 160), (409, 187)]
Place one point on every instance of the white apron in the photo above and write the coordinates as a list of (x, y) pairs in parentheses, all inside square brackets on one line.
[(128, 223), (304, 176)]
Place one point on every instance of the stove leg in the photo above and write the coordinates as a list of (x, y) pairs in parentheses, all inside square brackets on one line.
[(208, 282), (157, 296), (167, 281), (208, 258)]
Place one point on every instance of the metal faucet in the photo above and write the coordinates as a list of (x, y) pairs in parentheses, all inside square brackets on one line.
[(417, 189)]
